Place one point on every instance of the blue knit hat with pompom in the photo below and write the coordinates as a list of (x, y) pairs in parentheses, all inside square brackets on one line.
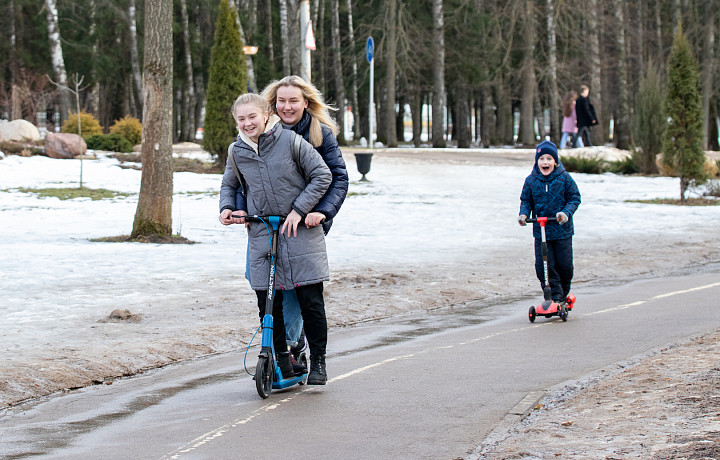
[(547, 148)]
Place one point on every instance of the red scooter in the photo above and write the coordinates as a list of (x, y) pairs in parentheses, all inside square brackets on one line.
[(549, 307)]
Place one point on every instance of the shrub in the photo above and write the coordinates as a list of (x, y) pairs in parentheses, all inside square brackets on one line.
[(110, 142), (88, 124), (587, 165), (128, 127), (650, 121), (626, 166)]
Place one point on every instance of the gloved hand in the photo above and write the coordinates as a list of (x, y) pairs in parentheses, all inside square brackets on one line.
[(521, 219), (561, 217)]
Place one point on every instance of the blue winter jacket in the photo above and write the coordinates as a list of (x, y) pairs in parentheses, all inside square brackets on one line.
[(545, 196), (329, 150)]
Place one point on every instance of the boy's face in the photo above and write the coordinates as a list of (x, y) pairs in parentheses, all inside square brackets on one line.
[(546, 164)]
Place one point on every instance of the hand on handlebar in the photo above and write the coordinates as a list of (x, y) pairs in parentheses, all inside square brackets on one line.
[(314, 219), (521, 219)]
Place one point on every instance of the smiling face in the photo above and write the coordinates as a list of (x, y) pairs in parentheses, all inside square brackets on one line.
[(290, 104), (546, 164), (250, 120)]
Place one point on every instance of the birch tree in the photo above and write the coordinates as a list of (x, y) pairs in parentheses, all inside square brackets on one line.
[(188, 98), (56, 55), (552, 58), (529, 82), (353, 65), (134, 60), (438, 98), (248, 58), (284, 37), (622, 115), (153, 216), (599, 133), (707, 67)]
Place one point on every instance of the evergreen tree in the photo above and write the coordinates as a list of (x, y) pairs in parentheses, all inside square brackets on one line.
[(682, 146), (227, 80), (649, 121)]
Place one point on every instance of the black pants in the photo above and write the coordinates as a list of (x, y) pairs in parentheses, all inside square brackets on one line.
[(312, 307), (560, 266), (583, 131)]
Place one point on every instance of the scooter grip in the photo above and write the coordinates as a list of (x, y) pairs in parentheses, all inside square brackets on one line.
[(531, 220)]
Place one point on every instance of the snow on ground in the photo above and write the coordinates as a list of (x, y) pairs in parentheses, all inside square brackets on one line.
[(425, 233)]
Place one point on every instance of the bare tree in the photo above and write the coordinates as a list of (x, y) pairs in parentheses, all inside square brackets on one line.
[(622, 115), (188, 97), (353, 65), (599, 133), (707, 67), (284, 37), (553, 86), (390, 63), (153, 216), (269, 32), (134, 60), (56, 54), (529, 81), (248, 58), (438, 98)]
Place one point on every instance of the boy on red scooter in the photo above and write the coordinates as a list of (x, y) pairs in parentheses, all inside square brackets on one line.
[(550, 191)]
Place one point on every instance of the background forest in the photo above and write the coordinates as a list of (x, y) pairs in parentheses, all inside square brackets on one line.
[(500, 66)]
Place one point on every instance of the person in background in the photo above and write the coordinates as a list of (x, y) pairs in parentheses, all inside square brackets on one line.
[(569, 123), (585, 117)]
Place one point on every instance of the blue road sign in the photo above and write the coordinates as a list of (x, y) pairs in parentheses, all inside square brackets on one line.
[(370, 49)]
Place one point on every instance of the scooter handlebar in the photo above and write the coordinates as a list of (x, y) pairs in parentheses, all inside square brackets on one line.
[(540, 220), (256, 218)]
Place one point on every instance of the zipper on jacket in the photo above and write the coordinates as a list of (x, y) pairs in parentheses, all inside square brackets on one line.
[(547, 188)]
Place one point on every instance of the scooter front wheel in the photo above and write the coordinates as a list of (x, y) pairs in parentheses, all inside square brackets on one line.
[(564, 313), (264, 376), (532, 314)]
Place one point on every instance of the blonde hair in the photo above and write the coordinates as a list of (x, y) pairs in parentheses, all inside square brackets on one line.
[(569, 98), (251, 98), (318, 110)]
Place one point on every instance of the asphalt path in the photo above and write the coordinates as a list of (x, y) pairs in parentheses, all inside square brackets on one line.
[(422, 386)]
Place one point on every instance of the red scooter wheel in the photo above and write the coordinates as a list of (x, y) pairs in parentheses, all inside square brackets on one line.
[(532, 314)]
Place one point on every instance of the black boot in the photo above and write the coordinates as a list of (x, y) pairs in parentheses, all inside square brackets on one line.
[(286, 367), (318, 375), (298, 369)]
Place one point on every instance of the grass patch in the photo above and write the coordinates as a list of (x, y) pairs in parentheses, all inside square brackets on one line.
[(677, 202), (586, 165), (172, 239), (71, 193), (357, 193)]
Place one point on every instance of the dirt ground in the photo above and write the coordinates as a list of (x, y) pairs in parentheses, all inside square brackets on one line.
[(663, 406)]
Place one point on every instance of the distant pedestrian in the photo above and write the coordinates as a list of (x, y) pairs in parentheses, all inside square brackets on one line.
[(550, 191), (569, 123), (585, 117)]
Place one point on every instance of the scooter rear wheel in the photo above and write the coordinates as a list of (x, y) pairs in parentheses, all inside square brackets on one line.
[(564, 313), (264, 376), (532, 314)]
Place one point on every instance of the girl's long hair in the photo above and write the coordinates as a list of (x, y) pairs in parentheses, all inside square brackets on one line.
[(318, 110), (567, 104)]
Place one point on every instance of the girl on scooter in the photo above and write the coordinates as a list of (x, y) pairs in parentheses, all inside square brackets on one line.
[(275, 183)]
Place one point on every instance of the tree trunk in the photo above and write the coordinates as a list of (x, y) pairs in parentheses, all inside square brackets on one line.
[(154, 211), (248, 58), (134, 61), (529, 82), (707, 68), (92, 102), (487, 124), (622, 124), (460, 123), (187, 113), (390, 63), (56, 54), (353, 63), (338, 70), (269, 33), (599, 132), (553, 86), (285, 37), (15, 110), (438, 101), (294, 36), (321, 58), (416, 113)]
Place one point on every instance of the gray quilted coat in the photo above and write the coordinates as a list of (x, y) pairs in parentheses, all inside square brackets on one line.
[(274, 185)]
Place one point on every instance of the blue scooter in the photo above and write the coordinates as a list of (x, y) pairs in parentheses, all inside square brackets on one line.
[(267, 371)]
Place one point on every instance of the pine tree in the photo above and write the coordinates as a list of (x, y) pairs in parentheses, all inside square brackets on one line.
[(227, 80), (682, 146)]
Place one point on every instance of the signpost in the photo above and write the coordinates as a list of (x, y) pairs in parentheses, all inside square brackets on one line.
[(369, 52)]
